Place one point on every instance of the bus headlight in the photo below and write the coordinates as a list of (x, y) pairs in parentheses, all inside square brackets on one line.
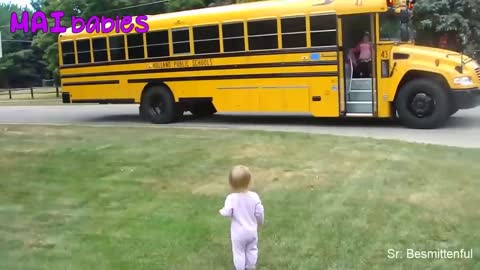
[(463, 81)]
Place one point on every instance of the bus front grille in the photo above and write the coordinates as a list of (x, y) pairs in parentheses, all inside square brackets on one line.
[(478, 73)]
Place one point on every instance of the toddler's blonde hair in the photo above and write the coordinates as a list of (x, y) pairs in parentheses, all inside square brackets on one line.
[(239, 178)]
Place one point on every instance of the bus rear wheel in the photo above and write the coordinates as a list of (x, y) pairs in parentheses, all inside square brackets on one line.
[(203, 109), (158, 106), (423, 104)]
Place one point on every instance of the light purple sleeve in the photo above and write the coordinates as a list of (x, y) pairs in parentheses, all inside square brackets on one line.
[(227, 210), (259, 212)]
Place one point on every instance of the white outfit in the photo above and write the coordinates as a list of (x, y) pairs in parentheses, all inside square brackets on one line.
[(246, 213)]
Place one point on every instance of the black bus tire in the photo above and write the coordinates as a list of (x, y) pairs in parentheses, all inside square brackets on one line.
[(423, 104), (142, 114), (158, 106)]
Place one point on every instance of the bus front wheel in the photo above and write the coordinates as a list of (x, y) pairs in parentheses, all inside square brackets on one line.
[(158, 106), (423, 104)]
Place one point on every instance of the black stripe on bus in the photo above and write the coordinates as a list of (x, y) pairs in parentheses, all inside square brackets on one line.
[(242, 76), (91, 83), (106, 101), (401, 56), (220, 67), (204, 56)]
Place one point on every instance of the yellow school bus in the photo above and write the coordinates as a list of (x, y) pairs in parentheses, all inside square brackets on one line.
[(289, 56)]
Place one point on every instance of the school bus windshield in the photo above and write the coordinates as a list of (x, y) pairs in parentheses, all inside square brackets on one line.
[(390, 27)]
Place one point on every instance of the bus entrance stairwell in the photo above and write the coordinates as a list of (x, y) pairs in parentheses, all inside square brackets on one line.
[(359, 75)]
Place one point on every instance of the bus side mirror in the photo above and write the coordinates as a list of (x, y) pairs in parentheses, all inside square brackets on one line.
[(404, 32), (404, 21), (404, 16)]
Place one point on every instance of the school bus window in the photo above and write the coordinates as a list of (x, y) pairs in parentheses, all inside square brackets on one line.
[(83, 51), (233, 37), (262, 35), (100, 53), (181, 41), (294, 33), (206, 39), (323, 30), (135, 46), (68, 53), (390, 27), (117, 48), (157, 44)]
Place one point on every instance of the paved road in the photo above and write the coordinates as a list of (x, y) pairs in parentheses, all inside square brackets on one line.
[(463, 130)]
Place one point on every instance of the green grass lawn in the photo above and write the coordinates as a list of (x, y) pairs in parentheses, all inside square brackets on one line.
[(148, 198)]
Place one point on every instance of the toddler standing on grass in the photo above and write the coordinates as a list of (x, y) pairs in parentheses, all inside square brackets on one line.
[(246, 212)]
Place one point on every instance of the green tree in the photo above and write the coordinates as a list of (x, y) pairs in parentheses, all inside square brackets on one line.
[(21, 64), (460, 18), (186, 4)]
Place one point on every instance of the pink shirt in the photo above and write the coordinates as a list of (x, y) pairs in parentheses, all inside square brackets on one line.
[(365, 50)]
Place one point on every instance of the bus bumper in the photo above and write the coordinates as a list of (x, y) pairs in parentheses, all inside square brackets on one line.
[(466, 99)]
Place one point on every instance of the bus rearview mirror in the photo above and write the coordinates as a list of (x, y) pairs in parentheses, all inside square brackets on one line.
[(404, 16), (404, 32)]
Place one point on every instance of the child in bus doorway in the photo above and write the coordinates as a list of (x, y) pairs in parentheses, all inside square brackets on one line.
[(364, 63), (246, 212)]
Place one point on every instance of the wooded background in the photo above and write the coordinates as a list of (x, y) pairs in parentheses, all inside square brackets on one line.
[(33, 57)]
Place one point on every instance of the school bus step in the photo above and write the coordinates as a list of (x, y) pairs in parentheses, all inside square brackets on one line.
[(359, 107), (360, 95), (362, 84)]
